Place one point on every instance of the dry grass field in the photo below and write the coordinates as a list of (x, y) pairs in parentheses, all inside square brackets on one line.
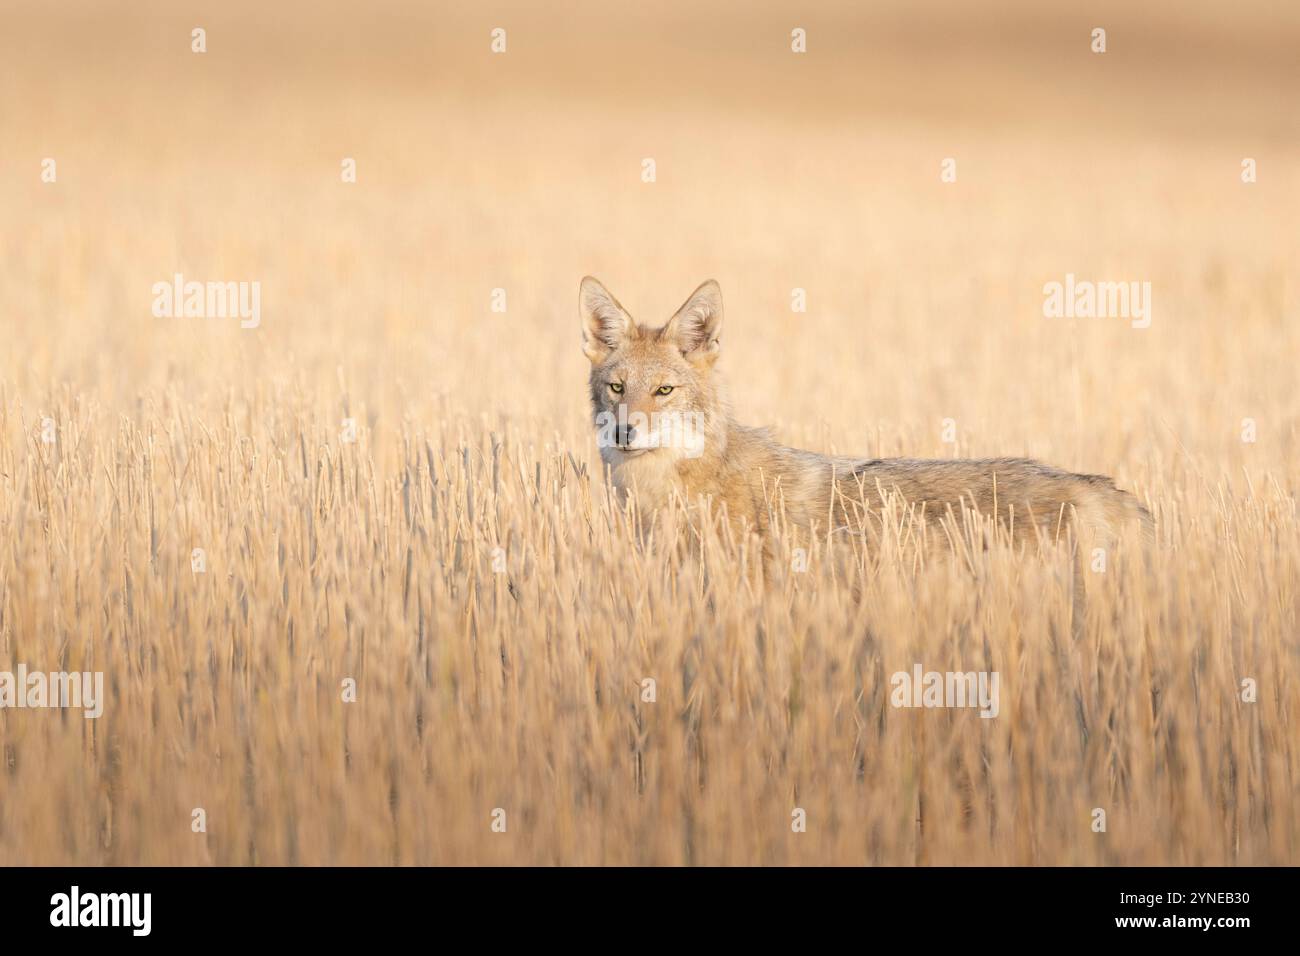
[(127, 441)]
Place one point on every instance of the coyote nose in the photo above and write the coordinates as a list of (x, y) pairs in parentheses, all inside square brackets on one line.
[(626, 434)]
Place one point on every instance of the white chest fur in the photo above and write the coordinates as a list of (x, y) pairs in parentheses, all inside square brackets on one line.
[(652, 476)]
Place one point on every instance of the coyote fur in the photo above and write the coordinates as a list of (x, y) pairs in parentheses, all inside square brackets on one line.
[(665, 430)]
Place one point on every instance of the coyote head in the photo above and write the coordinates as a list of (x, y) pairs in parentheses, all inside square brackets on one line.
[(652, 389)]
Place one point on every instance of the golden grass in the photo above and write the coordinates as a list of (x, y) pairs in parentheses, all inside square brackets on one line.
[(521, 690)]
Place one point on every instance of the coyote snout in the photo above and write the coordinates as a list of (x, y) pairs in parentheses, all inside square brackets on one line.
[(664, 427)]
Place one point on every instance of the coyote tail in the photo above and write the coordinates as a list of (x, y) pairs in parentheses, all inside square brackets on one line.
[(1108, 511)]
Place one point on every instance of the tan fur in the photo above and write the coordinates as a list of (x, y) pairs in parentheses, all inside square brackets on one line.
[(760, 481)]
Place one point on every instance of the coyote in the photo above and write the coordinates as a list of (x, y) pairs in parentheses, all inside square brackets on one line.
[(665, 429)]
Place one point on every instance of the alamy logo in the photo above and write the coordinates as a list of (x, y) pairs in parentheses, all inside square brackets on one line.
[(1084, 299), (208, 300), (681, 430), (103, 909), (56, 689), (923, 688)]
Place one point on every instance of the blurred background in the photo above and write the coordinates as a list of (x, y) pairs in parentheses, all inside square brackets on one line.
[(774, 171)]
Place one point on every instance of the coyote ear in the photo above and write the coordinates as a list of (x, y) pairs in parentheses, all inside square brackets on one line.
[(605, 323), (698, 323)]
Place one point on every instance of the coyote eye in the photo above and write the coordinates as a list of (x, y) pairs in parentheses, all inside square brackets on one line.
[(663, 389), (616, 388)]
